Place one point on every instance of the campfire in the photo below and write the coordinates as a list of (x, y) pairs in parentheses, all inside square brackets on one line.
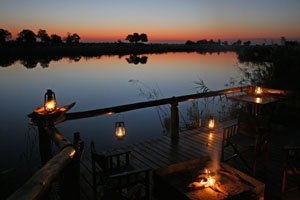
[(208, 179), (202, 179)]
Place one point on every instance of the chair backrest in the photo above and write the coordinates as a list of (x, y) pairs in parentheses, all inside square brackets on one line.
[(230, 129), (100, 159), (291, 167), (292, 157)]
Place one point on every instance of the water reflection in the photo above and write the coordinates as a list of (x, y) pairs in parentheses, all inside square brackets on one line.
[(31, 63), (99, 82), (134, 59)]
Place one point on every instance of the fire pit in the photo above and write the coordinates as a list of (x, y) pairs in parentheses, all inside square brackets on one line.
[(196, 180)]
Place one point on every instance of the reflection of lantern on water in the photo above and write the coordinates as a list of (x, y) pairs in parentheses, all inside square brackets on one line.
[(211, 123), (120, 132), (258, 90), (50, 101)]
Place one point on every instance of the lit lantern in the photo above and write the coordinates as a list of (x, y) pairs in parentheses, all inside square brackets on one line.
[(258, 91), (211, 123), (50, 101), (120, 130)]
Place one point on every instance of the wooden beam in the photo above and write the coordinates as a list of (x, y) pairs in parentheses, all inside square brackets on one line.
[(135, 106), (40, 182)]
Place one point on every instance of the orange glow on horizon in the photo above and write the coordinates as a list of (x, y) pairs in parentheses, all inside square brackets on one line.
[(155, 35)]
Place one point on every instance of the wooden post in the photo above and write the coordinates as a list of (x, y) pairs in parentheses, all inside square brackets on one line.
[(174, 121), (71, 175), (44, 145)]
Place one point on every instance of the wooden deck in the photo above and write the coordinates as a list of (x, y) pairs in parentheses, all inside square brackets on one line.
[(192, 144)]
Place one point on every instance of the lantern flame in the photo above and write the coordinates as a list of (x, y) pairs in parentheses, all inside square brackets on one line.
[(50, 105), (258, 90), (120, 132), (258, 100), (211, 123)]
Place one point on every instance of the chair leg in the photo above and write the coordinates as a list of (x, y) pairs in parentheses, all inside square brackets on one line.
[(283, 182)]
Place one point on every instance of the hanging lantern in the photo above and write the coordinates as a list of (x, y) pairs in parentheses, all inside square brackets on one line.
[(211, 123), (50, 101), (258, 90), (120, 130)]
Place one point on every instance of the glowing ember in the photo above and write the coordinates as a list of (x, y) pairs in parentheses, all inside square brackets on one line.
[(50, 105)]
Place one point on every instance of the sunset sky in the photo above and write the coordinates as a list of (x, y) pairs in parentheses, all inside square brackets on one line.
[(162, 20)]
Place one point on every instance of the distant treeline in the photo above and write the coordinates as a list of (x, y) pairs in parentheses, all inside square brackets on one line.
[(43, 54), (27, 36), (272, 66)]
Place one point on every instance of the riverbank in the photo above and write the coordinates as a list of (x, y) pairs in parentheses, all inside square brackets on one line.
[(97, 49)]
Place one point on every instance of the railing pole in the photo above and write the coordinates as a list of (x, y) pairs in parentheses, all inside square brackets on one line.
[(174, 121), (71, 175), (44, 145)]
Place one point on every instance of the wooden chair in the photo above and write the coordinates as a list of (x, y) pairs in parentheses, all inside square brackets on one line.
[(291, 169), (242, 142), (117, 177)]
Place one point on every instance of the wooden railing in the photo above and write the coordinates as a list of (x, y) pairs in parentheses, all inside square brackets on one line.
[(173, 101), (40, 182)]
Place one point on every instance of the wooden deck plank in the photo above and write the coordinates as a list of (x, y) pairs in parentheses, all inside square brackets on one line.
[(162, 151), (143, 150)]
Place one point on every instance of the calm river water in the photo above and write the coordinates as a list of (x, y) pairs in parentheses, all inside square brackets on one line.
[(97, 83)]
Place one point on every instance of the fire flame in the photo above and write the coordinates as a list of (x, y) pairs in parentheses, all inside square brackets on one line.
[(209, 181)]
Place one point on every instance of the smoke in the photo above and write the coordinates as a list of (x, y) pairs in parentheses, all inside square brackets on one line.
[(214, 151)]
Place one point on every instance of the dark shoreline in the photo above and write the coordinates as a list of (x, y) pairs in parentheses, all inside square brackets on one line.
[(98, 49)]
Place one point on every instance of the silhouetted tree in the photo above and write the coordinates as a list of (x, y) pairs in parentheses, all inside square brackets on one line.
[(225, 43), (202, 42), (72, 38), (189, 42), (247, 43), (27, 36), (129, 38), (43, 35), (237, 43), (56, 39), (4, 35), (135, 37), (144, 37)]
